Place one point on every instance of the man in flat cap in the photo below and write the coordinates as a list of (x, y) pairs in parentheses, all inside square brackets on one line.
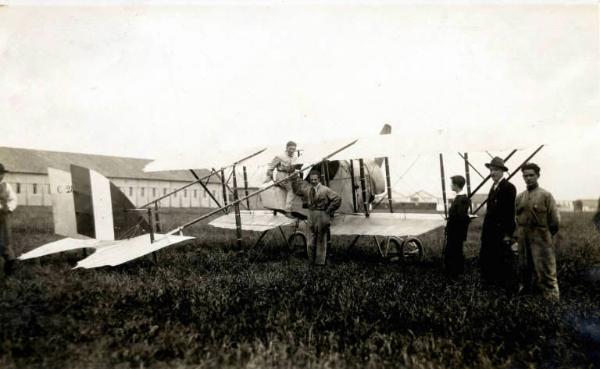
[(8, 203), (322, 204), (285, 165), (498, 228), (538, 221)]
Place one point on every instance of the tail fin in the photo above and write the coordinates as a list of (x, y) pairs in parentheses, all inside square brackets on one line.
[(87, 204), (386, 130)]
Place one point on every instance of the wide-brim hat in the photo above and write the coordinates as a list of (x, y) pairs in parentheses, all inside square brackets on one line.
[(497, 163), (2, 169)]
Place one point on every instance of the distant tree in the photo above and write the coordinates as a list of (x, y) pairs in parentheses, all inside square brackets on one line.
[(578, 206)]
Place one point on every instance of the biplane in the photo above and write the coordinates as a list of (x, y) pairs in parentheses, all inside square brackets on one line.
[(93, 213)]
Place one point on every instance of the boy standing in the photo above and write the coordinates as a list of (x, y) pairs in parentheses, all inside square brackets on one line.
[(456, 229)]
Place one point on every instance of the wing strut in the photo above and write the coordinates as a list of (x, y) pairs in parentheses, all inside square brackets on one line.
[(443, 186), (467, 162), (386, 160), (468, 178), (363, 186), (206, 188), (236, 208), (246, 188), (353, 184), (275, 183), (514, 172)]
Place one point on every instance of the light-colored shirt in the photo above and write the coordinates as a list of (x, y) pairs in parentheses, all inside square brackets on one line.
[(323, 197), (537, 208), (283, 163), (8, 198)]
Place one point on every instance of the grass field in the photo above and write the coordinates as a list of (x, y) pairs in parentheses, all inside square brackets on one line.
[(208, 305)]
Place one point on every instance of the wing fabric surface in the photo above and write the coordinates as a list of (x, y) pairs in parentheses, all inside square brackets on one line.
[(63, 204), (87, 204), (253, 220), (66, 244), (123, 251), (373, 146), (109, 253), (386, 224)]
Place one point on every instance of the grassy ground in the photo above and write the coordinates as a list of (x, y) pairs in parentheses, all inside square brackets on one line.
[(208, 305)]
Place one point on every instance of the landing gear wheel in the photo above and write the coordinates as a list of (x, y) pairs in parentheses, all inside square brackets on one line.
[(412, 250), (394, 249), (297, 241)]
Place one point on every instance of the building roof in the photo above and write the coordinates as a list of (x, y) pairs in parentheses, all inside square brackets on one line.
[(37, 162)]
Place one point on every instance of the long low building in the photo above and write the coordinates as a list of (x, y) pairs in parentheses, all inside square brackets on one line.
[(28, 176)]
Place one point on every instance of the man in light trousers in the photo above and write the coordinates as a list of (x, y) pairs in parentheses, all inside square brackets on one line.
[(537, 221), (284, 163), (322, 204)]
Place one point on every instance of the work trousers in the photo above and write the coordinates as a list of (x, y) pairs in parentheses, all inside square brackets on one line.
[(287, 185), (537, 261), (318, 225)]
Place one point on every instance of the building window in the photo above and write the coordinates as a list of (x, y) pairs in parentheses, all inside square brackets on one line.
[(142, 191), (34, 188), (153, 191), (204, 193), (184, 193), (130, 191), (18, 187), (164, 191), (195, 193)]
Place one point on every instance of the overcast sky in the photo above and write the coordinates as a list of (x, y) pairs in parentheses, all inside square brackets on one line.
[(144, 81)]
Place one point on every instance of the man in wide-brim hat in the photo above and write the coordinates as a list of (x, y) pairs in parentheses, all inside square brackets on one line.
[(8, 203), (495, 257)]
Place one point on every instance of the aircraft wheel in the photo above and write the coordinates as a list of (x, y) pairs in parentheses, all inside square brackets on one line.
[(297, 241), (394, 249), (412, 250)]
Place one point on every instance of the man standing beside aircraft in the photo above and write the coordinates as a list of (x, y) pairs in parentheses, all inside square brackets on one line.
[(8, 203), (322, 204), (456, 229), (538, 220), (498, 228), (284, 163)]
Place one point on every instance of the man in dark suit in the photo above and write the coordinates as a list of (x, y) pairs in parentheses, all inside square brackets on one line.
[(498, 228), (456, 229)]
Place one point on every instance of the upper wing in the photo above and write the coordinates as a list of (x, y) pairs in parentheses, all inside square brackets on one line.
[(209, 159), (375, 146), (254, 157)]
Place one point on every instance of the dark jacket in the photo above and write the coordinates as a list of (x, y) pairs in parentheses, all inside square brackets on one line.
[(499, 220), (458, 219)]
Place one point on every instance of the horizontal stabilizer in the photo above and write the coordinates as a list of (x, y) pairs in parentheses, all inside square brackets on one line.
[(253, 220), (122, 251), (66, 244), (386, 224)]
